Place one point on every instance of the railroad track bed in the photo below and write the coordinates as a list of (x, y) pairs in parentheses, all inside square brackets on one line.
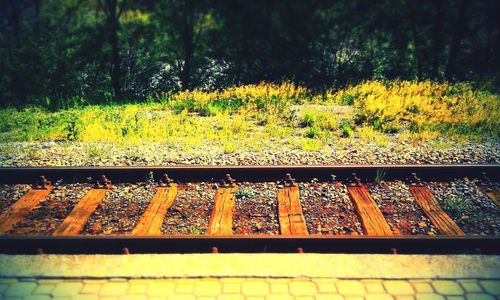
[(325, 202)]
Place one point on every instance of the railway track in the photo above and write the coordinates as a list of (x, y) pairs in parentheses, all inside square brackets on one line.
[(324, 208)]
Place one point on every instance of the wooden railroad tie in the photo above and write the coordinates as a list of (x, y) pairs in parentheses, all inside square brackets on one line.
[(492, 192), (24, 205), (432, 210), (290, 216), (221, 218), (372, 219), (490, 189), (75, 221), (152, 219)]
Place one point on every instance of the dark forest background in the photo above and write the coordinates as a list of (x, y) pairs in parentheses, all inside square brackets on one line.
[(80, 52)]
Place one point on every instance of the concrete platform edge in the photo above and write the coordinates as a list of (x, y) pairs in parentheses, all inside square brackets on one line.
[(251, 265)]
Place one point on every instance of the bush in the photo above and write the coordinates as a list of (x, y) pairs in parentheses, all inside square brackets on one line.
[(308, 119), (345, 127), (312, 132), (457, 108)]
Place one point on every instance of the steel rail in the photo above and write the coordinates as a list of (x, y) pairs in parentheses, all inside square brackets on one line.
[(249, 244), (442, 172)]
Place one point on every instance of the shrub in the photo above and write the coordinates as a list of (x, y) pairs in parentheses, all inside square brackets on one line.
[(369, 134), (416, 106), (312, 132), (345, 126), (308, 119)]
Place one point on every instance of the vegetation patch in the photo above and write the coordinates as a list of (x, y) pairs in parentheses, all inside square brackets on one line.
[(252, 116)]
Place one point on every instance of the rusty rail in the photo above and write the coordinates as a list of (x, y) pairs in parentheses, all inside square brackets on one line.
[(250, 173), (249, 244)]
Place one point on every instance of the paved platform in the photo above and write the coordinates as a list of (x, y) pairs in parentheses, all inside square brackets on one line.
[(249, 289), (250, 276)]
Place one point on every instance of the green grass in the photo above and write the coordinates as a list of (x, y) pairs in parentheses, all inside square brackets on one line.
[(244, 193), (456, 206), (380, 175), (251, 118)]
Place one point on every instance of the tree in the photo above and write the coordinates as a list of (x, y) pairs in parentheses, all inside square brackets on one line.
[(113, 9)]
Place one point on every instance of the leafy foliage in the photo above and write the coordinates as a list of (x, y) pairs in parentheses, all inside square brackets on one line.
[(67, 54)]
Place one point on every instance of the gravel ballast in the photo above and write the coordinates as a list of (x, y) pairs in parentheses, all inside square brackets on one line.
[(10, 193), (256, 209), (470, 208), (50, 213), (353, 152), (328, 210), (121, 209), (190, 212), (400, 209)]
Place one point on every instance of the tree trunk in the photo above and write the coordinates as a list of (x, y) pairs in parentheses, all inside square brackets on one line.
[(416, 41), (37, 8), (112, 20), (438, 39), (187, 36), (15, 19), (458, 35)]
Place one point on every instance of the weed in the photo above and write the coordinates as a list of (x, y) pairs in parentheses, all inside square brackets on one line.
[(229, 147), (367, 133), (380, 175), (32, 153), (420, 105), (97, 151), (195, 231), (308, 119), (441, 144), (72, 130), (133, 155), (312, 132), (8, 150), (418, 111), (150, 177), (243, 193), (456, 205), (311, 144), (345, 127)]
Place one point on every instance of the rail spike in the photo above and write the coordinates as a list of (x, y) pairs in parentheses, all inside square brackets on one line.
[(166, 181), (415, 180), (44, 184), (104, 183), (333, 177), (289, 180), (355, 180), (485, 180), (228, 181)]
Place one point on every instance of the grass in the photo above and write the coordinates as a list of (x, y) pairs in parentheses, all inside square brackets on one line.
[(380, 175), (456, 206), (310, 144), (244, 193), (346, 128), (251, 117), (195, 231), (308, 119)]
